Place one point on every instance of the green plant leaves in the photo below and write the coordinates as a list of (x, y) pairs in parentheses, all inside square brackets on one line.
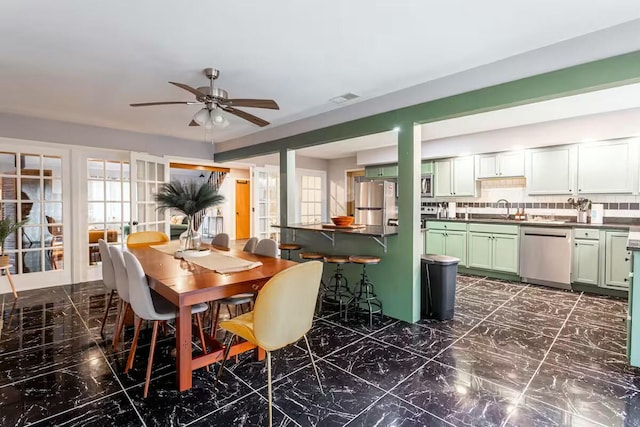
[(188, 197)]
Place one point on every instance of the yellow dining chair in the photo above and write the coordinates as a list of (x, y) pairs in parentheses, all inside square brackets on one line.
[(282, 314), (146, 238)]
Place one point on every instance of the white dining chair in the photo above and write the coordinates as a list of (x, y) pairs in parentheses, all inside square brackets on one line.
[(148, 305), (250, 246), (282, 315), (108, 278), (267, 247), (122, 283), (221, 240)]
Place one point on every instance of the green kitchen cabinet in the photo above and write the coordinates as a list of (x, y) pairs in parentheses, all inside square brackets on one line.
[(607, 167), (456, 245), (586, 261), (381, 171), (551, 170), (426, 167), (436, 242), (617, 260), (490, 251), (505, 253), (455, 177), (480, 250), (448, 242), (500, 165)]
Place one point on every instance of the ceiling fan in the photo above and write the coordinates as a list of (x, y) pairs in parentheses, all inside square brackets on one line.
[(215, 101)]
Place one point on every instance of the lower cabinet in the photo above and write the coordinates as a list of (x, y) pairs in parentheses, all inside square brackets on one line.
[(617, 260), (585, 268), (497, 252), (451, 243)]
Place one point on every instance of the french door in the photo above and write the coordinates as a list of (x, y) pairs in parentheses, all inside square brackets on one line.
[(34, 187), (266, 202), (148, 174)]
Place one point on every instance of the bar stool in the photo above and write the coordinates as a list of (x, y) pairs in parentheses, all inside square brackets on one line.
[(314, 256), (340, 288), (289, 247), (364, 298)]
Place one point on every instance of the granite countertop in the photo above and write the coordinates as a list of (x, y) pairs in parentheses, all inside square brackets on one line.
[(538, 223), (369, 230)]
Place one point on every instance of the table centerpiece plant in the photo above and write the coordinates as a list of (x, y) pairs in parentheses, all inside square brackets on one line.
[(8, 226), (189, 198)]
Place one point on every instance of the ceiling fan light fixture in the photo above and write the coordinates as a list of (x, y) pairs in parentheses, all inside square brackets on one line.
[(211, 118)]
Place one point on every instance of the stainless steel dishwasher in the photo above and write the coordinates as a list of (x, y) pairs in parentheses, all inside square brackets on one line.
[(545, 256)]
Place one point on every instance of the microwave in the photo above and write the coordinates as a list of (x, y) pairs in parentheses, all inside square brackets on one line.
[(426, 185)]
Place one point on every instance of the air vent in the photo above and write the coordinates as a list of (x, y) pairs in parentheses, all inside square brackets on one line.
[(344, 98)]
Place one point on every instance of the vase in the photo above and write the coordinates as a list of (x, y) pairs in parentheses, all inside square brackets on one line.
[(190, 239), (582, 217)]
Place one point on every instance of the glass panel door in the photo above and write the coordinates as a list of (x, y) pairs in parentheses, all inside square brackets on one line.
[(266, 202), (32, 190), (148, 173), (109, 207)]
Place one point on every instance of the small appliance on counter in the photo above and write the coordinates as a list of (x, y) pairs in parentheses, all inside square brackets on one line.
[(451, 212), (597, 213)]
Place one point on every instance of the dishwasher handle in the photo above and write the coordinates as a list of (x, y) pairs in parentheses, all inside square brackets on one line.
[(547, 233)]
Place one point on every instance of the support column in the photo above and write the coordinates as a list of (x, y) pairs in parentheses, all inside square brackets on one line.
[(287, 190), (409, 237)]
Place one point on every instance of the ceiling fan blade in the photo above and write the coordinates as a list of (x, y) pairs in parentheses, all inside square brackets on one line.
[(188, 88), (146, 104), (244, 115), (255, 103), (193, 123)]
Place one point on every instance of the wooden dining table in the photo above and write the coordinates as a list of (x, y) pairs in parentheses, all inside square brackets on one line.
[(185, 283)]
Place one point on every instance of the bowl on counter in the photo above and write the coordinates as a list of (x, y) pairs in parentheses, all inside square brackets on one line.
[(342, 221)]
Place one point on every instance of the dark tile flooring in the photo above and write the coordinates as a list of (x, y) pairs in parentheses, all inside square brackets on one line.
[(514, 355)]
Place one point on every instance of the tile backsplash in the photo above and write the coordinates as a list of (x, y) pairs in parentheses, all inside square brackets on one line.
[(514, 190)]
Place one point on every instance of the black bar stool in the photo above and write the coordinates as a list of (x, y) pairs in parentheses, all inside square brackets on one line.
[(314, 256), (364, 298), (338, 286), (289, 247)]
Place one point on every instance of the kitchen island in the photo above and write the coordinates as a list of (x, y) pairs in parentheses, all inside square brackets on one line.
[(378, 241), (633, 317)]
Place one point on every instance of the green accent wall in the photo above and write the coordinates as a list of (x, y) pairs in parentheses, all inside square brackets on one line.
[(397, 277)]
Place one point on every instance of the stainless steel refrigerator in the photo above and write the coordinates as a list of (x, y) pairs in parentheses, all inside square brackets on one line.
[(376, 201)]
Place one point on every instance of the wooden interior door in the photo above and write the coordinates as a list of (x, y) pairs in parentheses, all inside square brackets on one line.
[(243, 206)]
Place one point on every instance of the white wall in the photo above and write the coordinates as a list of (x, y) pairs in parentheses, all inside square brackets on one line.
[(35, 129), (337, 188), (618, 124)]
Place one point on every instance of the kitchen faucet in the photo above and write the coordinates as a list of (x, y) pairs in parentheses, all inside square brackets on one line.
[(506, 202)]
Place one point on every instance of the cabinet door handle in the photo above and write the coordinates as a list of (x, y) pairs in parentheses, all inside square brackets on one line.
[(626, 279), (576, 244), (579, 189), (626, 259)]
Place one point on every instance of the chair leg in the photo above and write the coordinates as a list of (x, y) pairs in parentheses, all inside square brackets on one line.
[(202, 341), (313, 363), (106, 312), (214, 321), (269, 388), (123, 315), (154, 337), (227, 349), (134, 344)]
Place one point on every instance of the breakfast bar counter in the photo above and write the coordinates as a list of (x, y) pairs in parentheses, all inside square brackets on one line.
[(378, 233)]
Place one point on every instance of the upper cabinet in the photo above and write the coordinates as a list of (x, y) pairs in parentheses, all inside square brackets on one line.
[(607, 167), (551, 170), (381, 171), (455, 177), (501, 165), (426, 167)]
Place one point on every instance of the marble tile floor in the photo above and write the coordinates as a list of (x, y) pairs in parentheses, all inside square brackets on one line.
[(514, 355)]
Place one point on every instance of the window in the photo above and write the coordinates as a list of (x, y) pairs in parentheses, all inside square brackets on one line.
[(31, 190), (311, 199), (109, 208)]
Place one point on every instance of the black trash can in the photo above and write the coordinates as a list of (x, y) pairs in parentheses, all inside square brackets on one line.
[(438, 282)]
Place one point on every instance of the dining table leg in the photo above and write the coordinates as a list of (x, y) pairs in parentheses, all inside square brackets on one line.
[(183, 347)]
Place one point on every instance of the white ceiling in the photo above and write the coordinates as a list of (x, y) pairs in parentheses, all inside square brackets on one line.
[(74, 61)]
